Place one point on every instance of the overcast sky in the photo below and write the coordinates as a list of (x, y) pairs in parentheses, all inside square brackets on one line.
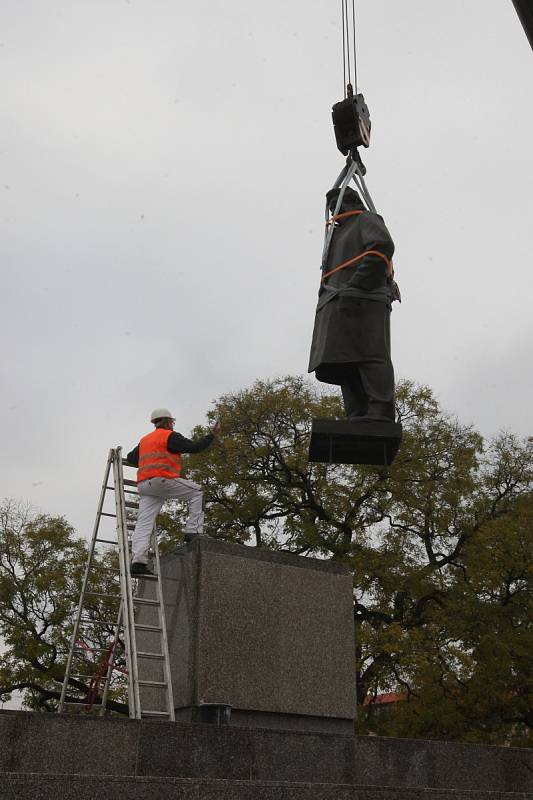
[(163, 171)]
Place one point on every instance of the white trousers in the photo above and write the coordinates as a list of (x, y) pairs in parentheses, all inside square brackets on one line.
[(152, 495)]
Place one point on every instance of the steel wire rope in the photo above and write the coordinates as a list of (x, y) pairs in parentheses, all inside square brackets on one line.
[(354, 50), (343, 51), (348, 46), (346, 42)]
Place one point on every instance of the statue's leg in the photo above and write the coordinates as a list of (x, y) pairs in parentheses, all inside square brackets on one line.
[(376, 370), (354, 395), (377, 378)]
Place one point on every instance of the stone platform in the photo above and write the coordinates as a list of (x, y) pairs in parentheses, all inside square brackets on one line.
[(75, 757), (268, 635)]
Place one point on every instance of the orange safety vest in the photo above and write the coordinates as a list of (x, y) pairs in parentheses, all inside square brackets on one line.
[(154, 459)]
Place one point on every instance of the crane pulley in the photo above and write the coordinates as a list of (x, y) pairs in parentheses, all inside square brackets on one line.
[(351, 122)]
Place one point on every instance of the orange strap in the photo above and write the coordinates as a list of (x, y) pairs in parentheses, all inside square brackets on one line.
[(344, 214), (358, 258)]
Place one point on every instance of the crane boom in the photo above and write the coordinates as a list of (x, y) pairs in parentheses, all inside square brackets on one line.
[(524, 9)]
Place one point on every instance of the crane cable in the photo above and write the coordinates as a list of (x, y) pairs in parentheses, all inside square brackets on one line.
[(348, 46), (353, 169)]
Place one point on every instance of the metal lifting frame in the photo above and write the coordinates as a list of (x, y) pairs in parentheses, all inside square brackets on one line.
[(130, 604), (352, 170)]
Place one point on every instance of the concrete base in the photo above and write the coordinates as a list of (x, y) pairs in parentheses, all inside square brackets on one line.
[(221, 715), (64, 757), (268, 634)]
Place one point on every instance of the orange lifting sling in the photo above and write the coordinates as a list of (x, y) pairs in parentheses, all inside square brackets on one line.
[(351, 261)]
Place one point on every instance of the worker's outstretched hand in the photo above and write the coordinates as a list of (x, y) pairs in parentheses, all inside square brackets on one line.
[(215, 430)]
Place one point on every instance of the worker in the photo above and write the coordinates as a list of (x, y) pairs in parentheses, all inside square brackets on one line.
[(158, 458), (351, 336)]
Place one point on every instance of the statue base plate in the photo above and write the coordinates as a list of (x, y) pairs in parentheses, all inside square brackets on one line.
[(349, 442)]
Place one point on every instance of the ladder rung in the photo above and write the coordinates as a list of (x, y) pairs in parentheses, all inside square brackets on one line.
[(148, 627), (101, 594), (126, 463), (145, 577), (106, 541), (126, 491), (127, 482), (81, 703), (106, 514), (129, 504), (155, 684), (155, 714), (140, 654), (92, 650), (88, 677), (106, 569), (145, 602)]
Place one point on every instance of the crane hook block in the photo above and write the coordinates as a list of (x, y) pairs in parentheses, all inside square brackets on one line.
[(351, 122)]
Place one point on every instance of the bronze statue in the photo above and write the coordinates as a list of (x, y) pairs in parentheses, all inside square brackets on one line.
[(351, 337)]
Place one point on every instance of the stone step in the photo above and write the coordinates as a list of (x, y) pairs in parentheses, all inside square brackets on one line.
[(14, 786), (94, 746), (54, 743)]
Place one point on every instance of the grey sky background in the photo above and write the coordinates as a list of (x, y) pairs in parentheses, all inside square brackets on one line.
[(163, 171)]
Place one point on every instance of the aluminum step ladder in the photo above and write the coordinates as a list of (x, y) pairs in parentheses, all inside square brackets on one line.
[(116, 613)]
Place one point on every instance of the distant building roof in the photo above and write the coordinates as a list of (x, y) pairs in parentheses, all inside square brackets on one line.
[(383, 699)]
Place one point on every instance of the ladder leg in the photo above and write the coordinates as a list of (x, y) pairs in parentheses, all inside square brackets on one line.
[(126, 589), (111, 662), (163, 624), (90, 556)]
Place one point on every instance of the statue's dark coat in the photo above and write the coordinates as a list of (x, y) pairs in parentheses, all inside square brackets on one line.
[(352, 316)]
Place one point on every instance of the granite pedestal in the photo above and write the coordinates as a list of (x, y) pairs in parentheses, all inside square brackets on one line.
[(258, 638)]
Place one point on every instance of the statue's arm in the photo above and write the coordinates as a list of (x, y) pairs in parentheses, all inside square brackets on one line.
[(371, 272)]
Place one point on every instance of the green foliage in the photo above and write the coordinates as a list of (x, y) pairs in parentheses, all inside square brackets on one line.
[(461, 534), (40, 575), (41, 569)]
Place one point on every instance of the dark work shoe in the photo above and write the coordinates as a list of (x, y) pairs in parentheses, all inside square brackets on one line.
[(140, 569), (190, 537)]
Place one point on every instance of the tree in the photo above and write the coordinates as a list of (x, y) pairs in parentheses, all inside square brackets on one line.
[(479, 678), (41, 568), (461, 605)]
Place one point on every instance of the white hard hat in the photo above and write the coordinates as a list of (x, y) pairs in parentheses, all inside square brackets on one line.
[(161, 413)]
